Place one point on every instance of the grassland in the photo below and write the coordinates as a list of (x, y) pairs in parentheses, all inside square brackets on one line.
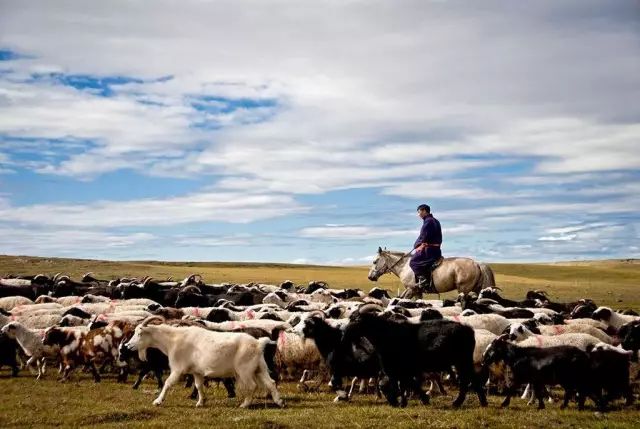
[(81, 403), (615, 283)]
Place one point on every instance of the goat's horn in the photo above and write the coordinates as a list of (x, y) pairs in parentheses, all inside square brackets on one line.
[(370, 307), (318, 312), (149, 319)]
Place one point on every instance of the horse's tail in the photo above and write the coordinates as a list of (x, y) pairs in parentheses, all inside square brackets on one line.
[(486, 278)]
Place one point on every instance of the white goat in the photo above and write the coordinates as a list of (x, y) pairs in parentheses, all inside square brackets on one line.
[(205, 353)]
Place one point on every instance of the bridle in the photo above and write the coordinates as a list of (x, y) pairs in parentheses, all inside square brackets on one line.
[(386, 269)]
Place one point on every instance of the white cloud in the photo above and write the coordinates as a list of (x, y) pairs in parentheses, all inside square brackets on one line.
[(346, 110), (197, 207), (351, 232), (67, 241), (361, 232), (447, 100), (467, 190), (567, 237)]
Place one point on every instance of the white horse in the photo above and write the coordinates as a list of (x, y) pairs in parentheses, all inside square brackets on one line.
[(463, 274)]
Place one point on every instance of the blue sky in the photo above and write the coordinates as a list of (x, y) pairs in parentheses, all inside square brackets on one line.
[(236, 131)]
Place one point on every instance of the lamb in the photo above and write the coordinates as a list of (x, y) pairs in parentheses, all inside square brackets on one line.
[(207, 354)]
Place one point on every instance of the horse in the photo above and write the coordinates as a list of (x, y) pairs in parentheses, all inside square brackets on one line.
[(463, 274)]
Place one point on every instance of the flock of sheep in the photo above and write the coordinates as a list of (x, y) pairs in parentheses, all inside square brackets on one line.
[(252, 336)]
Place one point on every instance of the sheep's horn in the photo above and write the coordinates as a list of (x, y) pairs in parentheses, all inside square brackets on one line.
[(497, 287), (149, 319)]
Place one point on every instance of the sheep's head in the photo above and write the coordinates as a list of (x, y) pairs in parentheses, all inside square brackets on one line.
[(519, 332), (10, 330), (602, 314)]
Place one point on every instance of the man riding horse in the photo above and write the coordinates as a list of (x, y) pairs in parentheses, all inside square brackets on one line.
[(426, 249)]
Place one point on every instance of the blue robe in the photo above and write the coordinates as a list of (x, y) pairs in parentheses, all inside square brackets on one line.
[(422, 260)]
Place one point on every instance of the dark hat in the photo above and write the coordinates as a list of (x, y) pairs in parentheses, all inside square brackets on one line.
[(424, 207)]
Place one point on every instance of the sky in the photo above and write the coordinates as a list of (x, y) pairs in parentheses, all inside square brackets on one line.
[(308, 132)]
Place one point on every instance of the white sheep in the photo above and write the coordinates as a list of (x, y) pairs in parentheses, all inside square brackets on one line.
[(491, 322), (483, 339), (584, 321), (576, 328), (69, 300), (526, 338), (611, 318), (22, 310), (40, 321), (30, 342), (295, 354), (454, 310), (9, 302)]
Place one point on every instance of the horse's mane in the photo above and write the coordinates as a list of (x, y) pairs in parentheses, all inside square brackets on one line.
[(394, 253)]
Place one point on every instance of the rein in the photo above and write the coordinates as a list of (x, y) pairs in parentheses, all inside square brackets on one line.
[(398, 261)]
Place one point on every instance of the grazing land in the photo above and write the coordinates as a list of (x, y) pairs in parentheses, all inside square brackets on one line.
[(615, 283), (25, 402)]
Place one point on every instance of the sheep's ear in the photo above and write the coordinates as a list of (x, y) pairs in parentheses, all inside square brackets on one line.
[(379, 250)]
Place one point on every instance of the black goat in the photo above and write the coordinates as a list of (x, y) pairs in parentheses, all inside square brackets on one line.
[(157, 362), (481, 307), (564, 365), (629, 335), (8, 350), (610, 373), (407, 351), (360, 362), (490, 293)]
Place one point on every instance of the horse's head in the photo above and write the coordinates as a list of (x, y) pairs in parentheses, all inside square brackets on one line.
[(380, 265)]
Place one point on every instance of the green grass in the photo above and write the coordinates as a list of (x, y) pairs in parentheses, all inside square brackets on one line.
[(27, 403)]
